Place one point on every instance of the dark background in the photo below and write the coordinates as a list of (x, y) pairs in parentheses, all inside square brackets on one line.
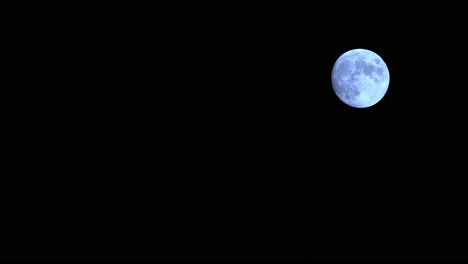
[(212, 131)]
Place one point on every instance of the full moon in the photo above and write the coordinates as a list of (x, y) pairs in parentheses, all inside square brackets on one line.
[(360, 78)]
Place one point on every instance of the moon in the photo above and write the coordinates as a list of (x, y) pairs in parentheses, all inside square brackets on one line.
[(360, 78)]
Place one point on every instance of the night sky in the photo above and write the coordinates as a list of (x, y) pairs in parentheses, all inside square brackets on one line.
[(213, 131)]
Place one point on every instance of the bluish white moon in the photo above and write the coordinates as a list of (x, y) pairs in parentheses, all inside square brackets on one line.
[(360, 78)]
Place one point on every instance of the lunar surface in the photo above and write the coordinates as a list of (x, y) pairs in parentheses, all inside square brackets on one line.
[(360, 78)]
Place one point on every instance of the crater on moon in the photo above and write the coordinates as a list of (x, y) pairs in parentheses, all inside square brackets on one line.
[(344, 69)]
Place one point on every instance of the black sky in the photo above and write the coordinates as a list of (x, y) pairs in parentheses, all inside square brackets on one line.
[(213, 131)]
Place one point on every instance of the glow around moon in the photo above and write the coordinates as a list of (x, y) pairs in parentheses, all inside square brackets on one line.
[(360, 78)]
